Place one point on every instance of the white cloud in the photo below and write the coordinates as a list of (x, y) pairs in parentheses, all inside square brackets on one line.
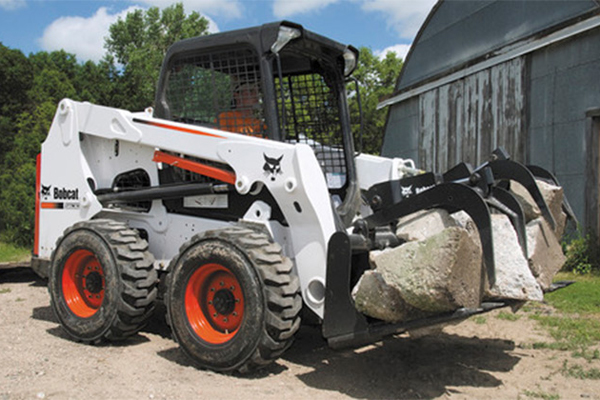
[(404, 16), (79, 35), (84, 37), (401, 51), (287, 8), (224, 8), (11, 4)]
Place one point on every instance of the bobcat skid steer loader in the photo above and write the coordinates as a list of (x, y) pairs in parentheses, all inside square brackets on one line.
[(240, 200)]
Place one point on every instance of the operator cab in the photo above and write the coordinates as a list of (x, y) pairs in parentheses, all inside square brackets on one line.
[(277, 81)]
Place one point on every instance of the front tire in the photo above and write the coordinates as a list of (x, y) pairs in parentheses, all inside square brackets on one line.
[(233, 300), (102, 281)]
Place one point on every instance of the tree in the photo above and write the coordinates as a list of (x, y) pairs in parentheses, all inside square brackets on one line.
[(377, 78), (139, 43), (16, 76)]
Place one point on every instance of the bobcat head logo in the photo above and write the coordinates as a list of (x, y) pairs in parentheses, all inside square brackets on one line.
[(45, 192), (272, 166), (406, 190)]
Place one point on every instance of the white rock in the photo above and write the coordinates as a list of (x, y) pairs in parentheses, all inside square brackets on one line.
[(424, 224), (513, 278), (545, 255)]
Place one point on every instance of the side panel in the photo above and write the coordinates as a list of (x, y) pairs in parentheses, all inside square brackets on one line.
[(115, 141)]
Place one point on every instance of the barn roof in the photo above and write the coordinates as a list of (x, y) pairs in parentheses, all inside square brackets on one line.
[(460, 33)]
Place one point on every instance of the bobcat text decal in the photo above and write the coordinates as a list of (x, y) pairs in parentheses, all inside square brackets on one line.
[(50, 195)]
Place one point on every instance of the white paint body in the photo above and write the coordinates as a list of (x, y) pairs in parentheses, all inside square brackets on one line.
[(80, 148)]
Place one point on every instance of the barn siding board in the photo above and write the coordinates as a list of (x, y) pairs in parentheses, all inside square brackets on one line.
[(470, 139), (444, 105), (428, 127), (467, 119)]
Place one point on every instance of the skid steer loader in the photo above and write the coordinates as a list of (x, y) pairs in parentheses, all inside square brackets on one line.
[(240, 201)]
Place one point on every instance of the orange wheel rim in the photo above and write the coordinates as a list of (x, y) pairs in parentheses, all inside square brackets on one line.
[(83, 283), (214, 303)]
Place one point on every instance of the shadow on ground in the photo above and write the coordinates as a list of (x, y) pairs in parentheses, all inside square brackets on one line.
[(402, 367), (21, 275)]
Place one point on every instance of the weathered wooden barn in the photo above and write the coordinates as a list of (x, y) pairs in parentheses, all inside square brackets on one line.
[(524, 75)]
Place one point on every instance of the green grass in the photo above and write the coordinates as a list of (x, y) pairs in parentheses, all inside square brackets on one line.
[(575, 326), (570, 333), (579, 372), (581, 297), (507, 316), (11, 253), (541, 395), (479, 320)]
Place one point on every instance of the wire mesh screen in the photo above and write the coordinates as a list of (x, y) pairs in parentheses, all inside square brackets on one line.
[(220, 89), (312, 117)]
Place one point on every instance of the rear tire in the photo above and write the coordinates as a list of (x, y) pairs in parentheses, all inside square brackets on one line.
[(233, 299), (102, 281)]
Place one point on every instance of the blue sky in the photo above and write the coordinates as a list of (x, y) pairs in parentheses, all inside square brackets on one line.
[(79, 26)]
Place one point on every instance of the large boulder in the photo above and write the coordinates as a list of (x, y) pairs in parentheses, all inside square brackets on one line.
[(513, 278), (439, 274), (375, 298), (423, 224), (552, 194), (545, 255)]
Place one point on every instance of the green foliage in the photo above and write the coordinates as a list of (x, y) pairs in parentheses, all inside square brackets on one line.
[(583, 254), (16, 78), (377, 78), (31, 87), (139, 43)]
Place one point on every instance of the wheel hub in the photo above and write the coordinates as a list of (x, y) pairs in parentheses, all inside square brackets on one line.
[(93, 282), (224, 302)]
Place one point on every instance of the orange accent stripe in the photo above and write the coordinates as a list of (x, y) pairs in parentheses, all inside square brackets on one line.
[(36, 233), (177, 128), (50, 206), (205, 170)]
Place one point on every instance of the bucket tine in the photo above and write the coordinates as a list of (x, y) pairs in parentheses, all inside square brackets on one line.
[(512, 170), (546, 175), (451, 197)]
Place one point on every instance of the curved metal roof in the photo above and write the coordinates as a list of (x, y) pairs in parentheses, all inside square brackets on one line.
[(459, 33)]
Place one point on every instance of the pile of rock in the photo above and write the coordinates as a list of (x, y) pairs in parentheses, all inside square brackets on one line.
[(440, 269)]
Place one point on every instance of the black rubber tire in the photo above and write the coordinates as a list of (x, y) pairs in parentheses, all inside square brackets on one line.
[(129, 281), (271, 299)]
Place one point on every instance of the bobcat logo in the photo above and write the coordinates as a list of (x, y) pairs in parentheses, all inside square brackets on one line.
[(406, 190), (45, 192), (272, 166)]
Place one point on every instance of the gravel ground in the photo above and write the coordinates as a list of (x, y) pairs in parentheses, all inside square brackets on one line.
[(490, 360)]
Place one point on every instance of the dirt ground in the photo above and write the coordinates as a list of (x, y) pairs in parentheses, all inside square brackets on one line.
[(476, 361)]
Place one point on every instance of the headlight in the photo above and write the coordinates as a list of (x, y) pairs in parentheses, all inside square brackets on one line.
[(285, 35), (349, 61)]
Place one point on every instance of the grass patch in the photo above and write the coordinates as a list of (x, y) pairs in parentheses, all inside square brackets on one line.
[(12, 253), (578, 372), (506, 316), (541, 395), (571, 333), (479, 320), (587, 354), (5, 290), (581, 297)]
